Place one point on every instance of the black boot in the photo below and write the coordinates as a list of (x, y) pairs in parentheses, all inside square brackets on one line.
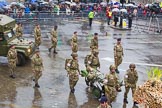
[(117, 71), (135, 104), (12, 76), (55, 51), (49, 49), (125, 100), (37, 85), (72, 90)]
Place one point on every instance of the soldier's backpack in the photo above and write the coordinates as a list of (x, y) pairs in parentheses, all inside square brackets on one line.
[(86, 59), (67, 61)]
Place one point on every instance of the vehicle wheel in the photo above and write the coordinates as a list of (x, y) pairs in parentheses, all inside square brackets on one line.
[(20, 59), (96, 92)]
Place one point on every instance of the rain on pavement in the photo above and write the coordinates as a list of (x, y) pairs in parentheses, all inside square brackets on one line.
[(141, 48)]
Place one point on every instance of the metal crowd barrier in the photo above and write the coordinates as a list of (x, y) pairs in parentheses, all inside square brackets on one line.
[(52, 15)]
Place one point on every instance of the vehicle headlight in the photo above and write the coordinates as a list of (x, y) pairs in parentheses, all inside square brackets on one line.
[(29, 50)]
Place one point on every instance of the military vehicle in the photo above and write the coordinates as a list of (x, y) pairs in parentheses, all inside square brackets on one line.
[(25, 48)]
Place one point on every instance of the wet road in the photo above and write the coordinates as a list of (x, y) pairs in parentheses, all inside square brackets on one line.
[(141, 48)]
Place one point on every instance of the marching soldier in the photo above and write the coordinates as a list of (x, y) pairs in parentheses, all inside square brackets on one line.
[(37, 35), (74, 38), (118, 54), (19, 30), (12, 58), (73, 71), (94, 42), (93, 61), (74, 43), (111, 84), (37, 65), (130, 80), (53, 39)]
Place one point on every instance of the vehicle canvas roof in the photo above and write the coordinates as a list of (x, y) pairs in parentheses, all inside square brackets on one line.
[(6, 23)]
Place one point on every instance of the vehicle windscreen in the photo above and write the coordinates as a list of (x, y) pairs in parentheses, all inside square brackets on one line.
[(9, 35)]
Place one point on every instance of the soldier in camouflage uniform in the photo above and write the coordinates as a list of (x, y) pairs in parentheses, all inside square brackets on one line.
[(12, 58), (118, 54), (19, 30), (74, 43), (37, 65), (37, 35), (93, 61), (74, 38), (54, 40), (111, 84), (94, 42), (130, 79), (73, 71)]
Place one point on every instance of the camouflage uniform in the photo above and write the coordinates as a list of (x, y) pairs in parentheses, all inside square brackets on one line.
[(74, 38), (37, 65), (74, 47), (94, 43), (74, 43), (12, 58), (130, 80), (94, 60), (37, 35), (73, 71), (19, 31), (111, 85), (54, 39), (118, 53)]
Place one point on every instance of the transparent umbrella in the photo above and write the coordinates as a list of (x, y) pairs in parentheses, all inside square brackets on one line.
[(115, 10)]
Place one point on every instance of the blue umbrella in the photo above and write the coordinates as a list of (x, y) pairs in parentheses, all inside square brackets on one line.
[(1, 5)]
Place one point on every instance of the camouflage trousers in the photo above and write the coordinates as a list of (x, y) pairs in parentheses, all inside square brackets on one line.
[(73, 79), (12, 66), (118, 61), (38, 41), (127, 88), (110, 93), (37, 75), (54, 44)]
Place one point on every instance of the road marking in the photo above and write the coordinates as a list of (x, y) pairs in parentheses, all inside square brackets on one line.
[(125, 62)]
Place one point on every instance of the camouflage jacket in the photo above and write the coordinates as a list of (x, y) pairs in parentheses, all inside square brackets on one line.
[(54, 35), (94, 61), (74, 39), (94, 43), (118, 51), (131, 77), (19, 31), (37, 32), (12, 54), (37, 63), (112, 79)]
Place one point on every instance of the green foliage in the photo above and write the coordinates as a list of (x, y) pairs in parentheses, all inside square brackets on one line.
[(154, 73)]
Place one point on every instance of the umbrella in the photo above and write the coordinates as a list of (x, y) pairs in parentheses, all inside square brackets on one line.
[(73, 4), (115, 10), (1, 10), (115, 6), (147, 5), (20, 5), (67, 2), (103, 3), (129, 5), (116, 3), (123, 10), (13, 3), (7, 7)]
